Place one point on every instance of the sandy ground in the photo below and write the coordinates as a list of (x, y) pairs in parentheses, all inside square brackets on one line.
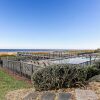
[(8, 53), (20, 94), (95, 86)]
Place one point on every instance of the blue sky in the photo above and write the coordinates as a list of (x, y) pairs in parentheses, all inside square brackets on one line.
[(64, 24)]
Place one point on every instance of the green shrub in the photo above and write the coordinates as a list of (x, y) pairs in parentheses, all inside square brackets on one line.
[(95, 78), (92, 71), (97, 64), (58, 76)]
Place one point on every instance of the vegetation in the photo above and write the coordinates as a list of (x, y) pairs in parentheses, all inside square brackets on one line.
[(59, 76), (97, 50), (6, 55), (9, 83), (79, 51), (95, 78), (97, 64), (92, 71), (95, 72)]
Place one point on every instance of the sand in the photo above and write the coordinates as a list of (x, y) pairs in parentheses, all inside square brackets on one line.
[(7, 53)]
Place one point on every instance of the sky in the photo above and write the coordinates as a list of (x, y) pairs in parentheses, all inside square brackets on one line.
[(49, 24)]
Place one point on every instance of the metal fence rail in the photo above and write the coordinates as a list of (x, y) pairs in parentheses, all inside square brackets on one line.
[(20, 67), (27, 69)]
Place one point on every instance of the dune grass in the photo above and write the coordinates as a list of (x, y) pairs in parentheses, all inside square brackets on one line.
[(9, 83)]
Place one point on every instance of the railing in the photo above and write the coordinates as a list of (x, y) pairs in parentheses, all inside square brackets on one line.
[(87, 63), (27, 69), (20, 67)]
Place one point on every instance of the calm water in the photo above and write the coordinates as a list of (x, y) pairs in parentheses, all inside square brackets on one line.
[(73, 60), (28, 50)]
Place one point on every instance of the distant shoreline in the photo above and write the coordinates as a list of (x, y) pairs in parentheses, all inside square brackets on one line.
[(30, 50), (38, 50)]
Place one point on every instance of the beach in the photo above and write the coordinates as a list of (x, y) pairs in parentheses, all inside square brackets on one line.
[(7, 53)]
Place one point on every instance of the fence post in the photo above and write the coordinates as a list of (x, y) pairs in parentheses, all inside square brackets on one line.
[(8, 65), (1, 62), (20, 69), (90, 59), (32, 68), (13, 67)]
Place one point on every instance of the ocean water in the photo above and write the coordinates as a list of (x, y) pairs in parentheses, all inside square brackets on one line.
[(29, 50)]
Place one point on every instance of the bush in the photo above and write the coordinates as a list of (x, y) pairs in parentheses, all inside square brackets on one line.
[(58, 76), (92, 71), (97, 64), (95, 79)]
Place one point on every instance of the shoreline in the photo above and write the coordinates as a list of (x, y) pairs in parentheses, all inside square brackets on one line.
[(7, 53)]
